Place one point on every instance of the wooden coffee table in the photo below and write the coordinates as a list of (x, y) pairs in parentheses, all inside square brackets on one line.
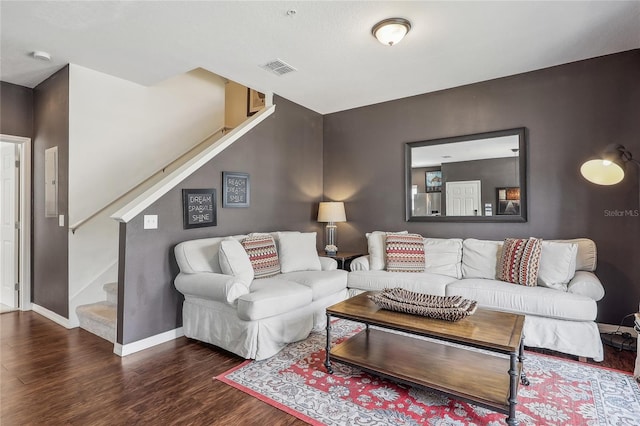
[(460, 372)]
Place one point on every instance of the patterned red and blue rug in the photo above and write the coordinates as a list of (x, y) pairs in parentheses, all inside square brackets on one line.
[(561, 392)]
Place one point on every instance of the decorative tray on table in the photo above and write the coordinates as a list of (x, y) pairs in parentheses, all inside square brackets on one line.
[(448, 308)]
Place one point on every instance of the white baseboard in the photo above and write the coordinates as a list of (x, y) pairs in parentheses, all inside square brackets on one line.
[(611, 328), (58, 319), (130, 348)]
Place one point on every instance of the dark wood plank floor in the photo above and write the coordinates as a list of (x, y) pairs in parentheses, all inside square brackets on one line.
[(51, 375)]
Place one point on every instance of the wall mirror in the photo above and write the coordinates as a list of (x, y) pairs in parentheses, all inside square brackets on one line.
[(471, 178)]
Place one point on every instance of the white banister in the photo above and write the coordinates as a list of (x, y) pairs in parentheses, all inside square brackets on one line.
[(79, 223), (173, 178)]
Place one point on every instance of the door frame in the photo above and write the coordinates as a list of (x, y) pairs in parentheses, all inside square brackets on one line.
[(24, 300)]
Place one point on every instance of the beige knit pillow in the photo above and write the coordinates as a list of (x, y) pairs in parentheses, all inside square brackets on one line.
[(263, 255), (405, 253)]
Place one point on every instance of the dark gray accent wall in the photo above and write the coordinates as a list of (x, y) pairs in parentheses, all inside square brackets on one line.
[(571, 112), (283, 156), (16, 110), (50, 278)]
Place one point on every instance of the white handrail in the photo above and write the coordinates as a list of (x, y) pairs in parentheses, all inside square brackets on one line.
[(173, 178), (79, 223)]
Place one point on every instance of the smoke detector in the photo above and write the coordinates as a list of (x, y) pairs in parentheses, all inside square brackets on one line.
[(41, 55)]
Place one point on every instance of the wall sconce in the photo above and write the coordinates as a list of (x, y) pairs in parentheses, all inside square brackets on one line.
[(609, 168), (391, 31), (331, 212)]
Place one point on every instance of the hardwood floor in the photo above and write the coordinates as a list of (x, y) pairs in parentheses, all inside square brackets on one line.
[(51, 375)]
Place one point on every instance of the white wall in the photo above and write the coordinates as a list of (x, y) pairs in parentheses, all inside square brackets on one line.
[(120, 133), (235, 104)]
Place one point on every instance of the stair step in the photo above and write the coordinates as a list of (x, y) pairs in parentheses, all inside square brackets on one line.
[(99, 318), (112, 292)]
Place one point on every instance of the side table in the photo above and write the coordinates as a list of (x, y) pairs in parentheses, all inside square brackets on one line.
[(343, 258)]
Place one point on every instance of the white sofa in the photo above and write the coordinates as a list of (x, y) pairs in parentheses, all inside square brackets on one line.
[(255, 318), (560, 311)]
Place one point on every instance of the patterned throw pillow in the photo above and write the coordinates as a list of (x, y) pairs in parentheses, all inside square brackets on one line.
[(376, 242), (405, 253), (262, 255), (520, 261)]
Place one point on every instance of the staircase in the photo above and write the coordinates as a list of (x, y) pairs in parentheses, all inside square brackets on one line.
[(100, 318)]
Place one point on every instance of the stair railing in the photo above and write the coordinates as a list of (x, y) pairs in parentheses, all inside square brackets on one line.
[(187, 153)]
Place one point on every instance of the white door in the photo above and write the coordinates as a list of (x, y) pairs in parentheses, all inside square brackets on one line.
[(9, 175), (463, 198)]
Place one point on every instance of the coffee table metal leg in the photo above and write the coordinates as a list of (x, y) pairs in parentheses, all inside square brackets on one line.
[(327, 362), (523, 376), (513, 388)]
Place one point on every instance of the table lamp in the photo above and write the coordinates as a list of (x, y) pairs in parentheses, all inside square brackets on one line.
[(331, 212)]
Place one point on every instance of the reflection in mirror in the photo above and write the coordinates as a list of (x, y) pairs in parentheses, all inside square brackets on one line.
[(477, 177)]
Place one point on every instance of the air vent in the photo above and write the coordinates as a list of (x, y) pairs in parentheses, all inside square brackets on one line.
[(278, 67)]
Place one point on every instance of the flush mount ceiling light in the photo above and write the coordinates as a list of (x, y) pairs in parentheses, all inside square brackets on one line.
[(391, 31)]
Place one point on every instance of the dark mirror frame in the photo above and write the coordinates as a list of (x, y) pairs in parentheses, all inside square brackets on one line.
[(522, 217)]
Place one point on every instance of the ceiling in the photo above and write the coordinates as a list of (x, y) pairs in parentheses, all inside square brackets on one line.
[(456, 152), (339, 63)]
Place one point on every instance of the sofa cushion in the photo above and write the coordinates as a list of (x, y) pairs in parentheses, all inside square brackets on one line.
[(480, 258), (235, 261), (557, 264), (423, 282), (263, 255), (297, 252), (272, 296), (587, 256), (404, 252), (276, 237), (321, 283), (443, 256), (519, 299), (376, 246), (520, 261)]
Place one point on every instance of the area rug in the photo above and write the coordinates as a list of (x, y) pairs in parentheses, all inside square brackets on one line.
[(561, 392)]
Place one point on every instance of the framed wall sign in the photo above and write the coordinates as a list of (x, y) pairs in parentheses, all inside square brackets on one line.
[(199, 208), (236, 189)]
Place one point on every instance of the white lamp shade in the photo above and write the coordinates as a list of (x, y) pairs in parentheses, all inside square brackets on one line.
[(331, 211), (602, 172)]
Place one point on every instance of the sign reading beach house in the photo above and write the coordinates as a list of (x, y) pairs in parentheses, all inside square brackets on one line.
[(199, 208)]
